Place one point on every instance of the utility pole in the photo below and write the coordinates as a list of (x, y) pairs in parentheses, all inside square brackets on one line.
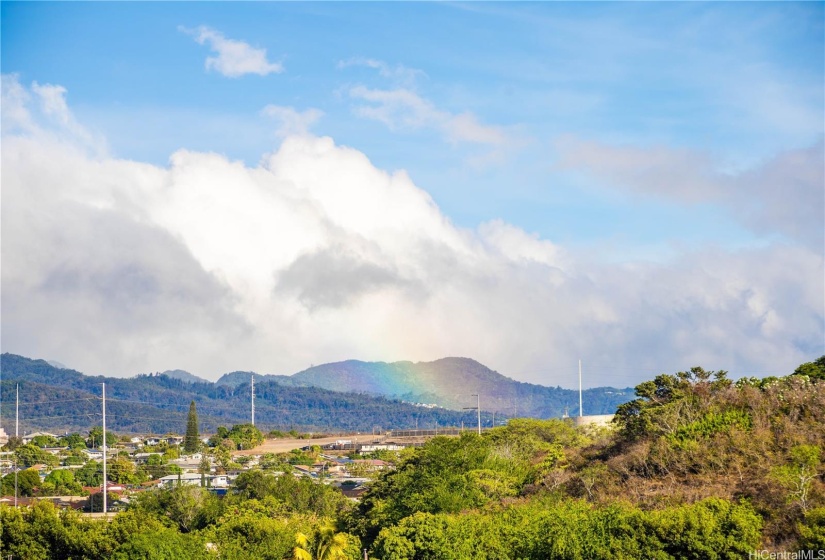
[(105, 486), (581, 413), (252, 385), (16, 435), (478, 411), (477, 408)]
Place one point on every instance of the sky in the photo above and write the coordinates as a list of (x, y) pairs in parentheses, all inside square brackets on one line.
[(267, 186)]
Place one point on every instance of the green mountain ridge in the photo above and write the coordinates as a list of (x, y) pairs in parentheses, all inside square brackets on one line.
[(64, 399), (448, 382)]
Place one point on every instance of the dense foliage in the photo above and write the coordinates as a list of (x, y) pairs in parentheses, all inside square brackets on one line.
[(54, 398), (696, 466)]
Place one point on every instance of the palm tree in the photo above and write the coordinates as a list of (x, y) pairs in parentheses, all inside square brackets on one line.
[(325, 545)]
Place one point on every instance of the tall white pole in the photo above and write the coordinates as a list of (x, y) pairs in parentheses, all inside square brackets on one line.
[(104, 449), (253, 400), (581, 413), (478, 411), (16, 435)]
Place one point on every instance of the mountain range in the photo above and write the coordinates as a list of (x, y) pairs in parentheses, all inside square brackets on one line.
[(448, 382), (350, 395)]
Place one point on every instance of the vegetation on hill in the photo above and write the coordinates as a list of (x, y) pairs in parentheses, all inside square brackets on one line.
[(447, 382), (66, 400), (697, 466)]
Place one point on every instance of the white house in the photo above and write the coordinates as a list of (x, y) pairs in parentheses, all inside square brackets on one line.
[(193, 479), (29, 437)]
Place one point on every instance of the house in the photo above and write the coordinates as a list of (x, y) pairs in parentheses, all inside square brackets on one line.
[(93, 454), (369, 448), (193, 479), (174, 440), (143, 458), (369, 464), (151, 441), (29, 437)]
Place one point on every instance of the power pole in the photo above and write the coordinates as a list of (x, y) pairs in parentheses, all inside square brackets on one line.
[(478, 411), (16, 435), (581, 413), (105, 505), (252, 385)]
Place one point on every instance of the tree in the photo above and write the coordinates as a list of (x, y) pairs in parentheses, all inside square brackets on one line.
[(27, 481), (61, 482), (44, 441), (325, 544), (122, 471), (814, 370), (29, 455), (799, 475), (90, 474), (73, 441), (191, 442), (13, 443), (95, 438), (246, 436)]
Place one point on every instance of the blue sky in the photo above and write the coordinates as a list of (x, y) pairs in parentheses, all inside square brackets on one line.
[(624, 134)]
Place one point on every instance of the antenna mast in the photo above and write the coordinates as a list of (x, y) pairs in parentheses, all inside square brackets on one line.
[(16, 435), (104, 450), (581, 413), (478, 411)]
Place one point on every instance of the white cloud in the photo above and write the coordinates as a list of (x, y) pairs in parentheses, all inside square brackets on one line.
[(291, 120), (399, 74), (316, 255), (234, 58), (41, 111), (403, 109), (785, 194)]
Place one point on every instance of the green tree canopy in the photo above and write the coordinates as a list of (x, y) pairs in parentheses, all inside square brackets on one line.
[(191, 441)]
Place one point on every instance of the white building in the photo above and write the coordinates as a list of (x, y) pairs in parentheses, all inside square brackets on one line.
[(194, 479)]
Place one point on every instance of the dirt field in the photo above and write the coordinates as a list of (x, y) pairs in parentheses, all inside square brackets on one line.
[(285, 445)]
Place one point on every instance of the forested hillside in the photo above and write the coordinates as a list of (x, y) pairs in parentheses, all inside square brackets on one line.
[(696, 467), (448, 382), (64, 399)]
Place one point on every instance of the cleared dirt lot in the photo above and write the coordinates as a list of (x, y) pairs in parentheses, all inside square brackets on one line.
[(285, 445)]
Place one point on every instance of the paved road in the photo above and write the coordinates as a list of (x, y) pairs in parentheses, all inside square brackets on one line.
[(286, 445)]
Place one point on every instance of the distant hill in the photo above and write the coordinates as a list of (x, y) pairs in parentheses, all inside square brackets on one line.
[(451, 382), (183, 376), (350, 395), (61, 400), (237, 378)]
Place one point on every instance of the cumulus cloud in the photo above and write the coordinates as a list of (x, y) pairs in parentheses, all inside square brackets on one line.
[(785, 194), (316, 255), (234, 58), (292, 121)]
